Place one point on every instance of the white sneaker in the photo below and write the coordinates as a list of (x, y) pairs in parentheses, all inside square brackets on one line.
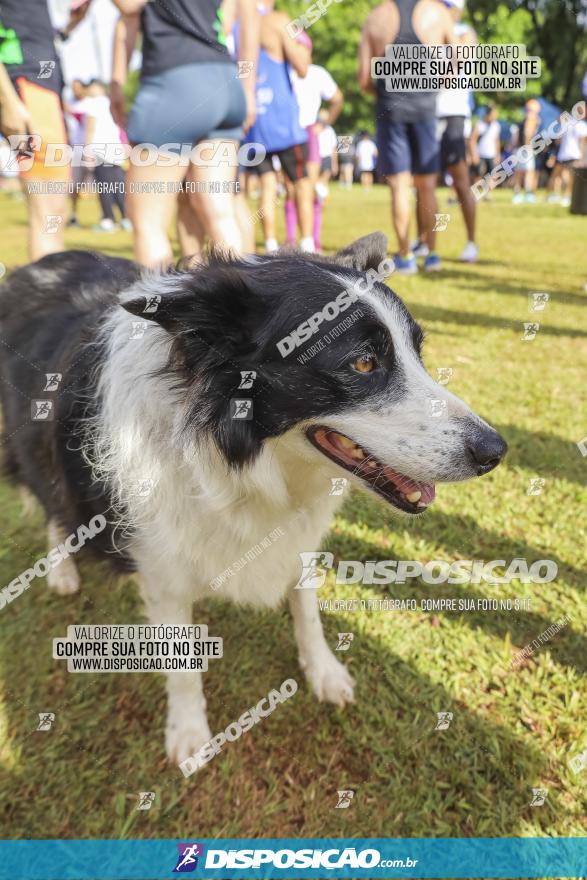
[(307, 245), (321, 191), (419, 248), (566, 202), (105, 225), (470, 253), (271, 245)]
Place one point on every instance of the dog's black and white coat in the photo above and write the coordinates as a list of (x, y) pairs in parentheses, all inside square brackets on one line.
[(155, 409)]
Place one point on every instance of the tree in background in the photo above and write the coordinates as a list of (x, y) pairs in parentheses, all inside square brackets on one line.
[(554, 30), (336, 41)]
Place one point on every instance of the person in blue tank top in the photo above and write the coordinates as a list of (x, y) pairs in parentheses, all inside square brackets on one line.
[(277, 125)]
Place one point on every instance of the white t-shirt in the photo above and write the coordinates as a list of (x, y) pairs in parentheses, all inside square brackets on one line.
[(488, 135), (366, 153), (454, 102), (327, 142), (315, 87), (76, 122), (569, 149), (106, 130)]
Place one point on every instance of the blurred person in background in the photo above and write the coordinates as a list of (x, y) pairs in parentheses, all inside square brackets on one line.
[(485, 143), (525, 175), (312, 90), (102, 134), (327, 144), (189, 94), (570, 152), (366, 155), (453, 109), (76, 128), (548, 157), (406, 123), (277, 125), (191, 234), (31, 113), (346, 161)]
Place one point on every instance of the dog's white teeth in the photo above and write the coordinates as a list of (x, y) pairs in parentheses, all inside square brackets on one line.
[(421, 504), (358, 454), (345, 442), (413, 497)]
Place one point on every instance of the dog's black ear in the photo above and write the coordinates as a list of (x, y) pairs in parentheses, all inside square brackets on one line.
[(213, 302), (364, 253), (159, 303)]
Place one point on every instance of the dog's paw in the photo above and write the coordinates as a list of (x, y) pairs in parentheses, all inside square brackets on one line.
[(329, 679), (184, 738), (64, 578)]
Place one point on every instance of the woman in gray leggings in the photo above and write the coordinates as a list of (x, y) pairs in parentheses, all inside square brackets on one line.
[(189, 97)]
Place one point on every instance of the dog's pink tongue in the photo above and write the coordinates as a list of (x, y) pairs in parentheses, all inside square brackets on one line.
[(407, 485)]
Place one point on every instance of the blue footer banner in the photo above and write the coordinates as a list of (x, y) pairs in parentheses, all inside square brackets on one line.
[(286, 858)]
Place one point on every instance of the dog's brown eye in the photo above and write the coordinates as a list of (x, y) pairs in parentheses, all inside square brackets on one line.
[(365, 364)]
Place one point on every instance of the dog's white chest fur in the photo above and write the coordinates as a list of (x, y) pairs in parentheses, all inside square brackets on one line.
[(224, 534), (194, 517)]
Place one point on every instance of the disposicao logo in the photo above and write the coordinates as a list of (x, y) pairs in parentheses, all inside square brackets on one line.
[(187, 859)]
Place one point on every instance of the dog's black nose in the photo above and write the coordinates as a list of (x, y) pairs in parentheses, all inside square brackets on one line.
[(486, 449)]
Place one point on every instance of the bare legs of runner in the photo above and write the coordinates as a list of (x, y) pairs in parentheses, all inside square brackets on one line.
[(46, 218), (151, 197)]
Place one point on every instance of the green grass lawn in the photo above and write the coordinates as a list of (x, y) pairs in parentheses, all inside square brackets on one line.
[(512, 730)]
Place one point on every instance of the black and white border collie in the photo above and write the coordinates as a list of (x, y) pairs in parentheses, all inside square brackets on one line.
[(156, 408)]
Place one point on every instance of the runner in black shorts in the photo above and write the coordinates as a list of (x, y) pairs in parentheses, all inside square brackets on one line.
[(293, 161), (408, 147), (453, 148), (453, 109)]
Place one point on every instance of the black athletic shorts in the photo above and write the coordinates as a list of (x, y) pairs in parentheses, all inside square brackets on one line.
[(293, 161), (484, 167), (452, 141)]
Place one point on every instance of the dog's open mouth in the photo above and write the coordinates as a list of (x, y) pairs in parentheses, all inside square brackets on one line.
[(403, 492)]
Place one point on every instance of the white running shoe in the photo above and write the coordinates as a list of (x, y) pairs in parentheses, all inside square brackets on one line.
[(321, 191), (105, 225), (419, 248), (470, 253)]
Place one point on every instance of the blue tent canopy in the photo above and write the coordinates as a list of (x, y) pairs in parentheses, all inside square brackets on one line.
[(548, 112)]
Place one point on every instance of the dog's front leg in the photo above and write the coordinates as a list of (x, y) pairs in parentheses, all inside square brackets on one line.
[(187, 726), (328, 678)]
